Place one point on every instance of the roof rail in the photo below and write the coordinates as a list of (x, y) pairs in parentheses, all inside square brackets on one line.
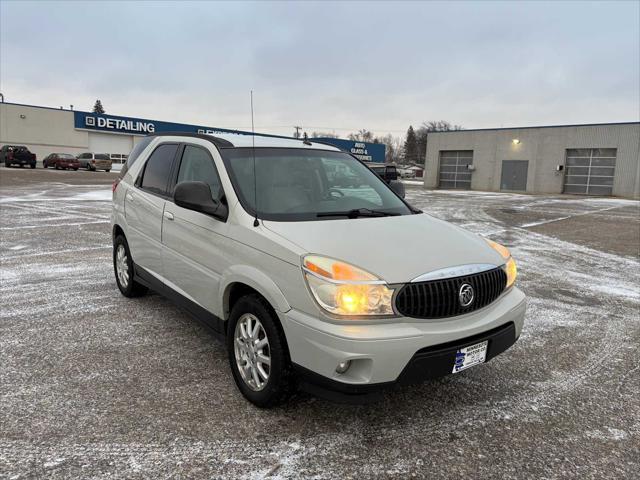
[(217, 141)]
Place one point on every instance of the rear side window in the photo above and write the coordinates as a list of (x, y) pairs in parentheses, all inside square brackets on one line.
[(197, 166), (137, 150), (158, 169)]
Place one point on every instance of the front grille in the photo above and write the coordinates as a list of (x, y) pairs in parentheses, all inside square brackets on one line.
[(440, 298)]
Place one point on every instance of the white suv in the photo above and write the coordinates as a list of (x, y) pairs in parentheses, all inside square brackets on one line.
[(342, 290)]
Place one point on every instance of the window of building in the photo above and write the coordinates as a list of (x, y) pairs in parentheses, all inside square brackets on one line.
[(454, 169), (590, 171)]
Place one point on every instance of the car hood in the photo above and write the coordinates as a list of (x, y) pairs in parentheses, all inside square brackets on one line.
[(396, 249)]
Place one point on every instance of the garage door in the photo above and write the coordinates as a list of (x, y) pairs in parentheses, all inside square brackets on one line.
[(590, 171), (454, 171), (110, 143)]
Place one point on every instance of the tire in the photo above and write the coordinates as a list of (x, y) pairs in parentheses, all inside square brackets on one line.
[(107, 171), (7, 164), (57, 167), (278, 385), (33, 165), (88, 168), (75, 169), (127, 286)]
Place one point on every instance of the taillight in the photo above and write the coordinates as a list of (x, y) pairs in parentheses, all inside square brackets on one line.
[(93, 161), (114, 185)]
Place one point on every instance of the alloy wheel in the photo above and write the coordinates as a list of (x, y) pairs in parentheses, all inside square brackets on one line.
[(122, 266), (252, 352)]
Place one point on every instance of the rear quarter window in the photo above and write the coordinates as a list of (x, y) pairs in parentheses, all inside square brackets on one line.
[(155, 178)]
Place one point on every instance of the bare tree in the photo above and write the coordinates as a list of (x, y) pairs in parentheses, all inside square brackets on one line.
[(431, 126), (363, 135), (323, 135)]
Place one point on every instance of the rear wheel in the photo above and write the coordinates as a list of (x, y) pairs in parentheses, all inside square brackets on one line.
[(33, 165), (107, 171), (75, 169), (258, 353), (123, 268)]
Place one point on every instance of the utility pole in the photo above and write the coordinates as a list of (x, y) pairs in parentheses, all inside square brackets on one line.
[(297, 134)]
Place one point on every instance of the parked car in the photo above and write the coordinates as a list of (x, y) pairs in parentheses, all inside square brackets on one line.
[(286, 266), (61, 161), (17, 155), (389, 174), (95, 161)]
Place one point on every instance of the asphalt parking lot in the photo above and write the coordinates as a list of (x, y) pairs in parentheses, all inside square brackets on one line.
[(96, 385)]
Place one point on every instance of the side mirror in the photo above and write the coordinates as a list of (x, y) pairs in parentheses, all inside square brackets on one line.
[(197, 196)]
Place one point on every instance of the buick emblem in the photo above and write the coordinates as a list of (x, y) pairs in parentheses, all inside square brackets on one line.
[(466, 295)]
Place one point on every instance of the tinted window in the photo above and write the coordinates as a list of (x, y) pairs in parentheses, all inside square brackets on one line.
[(158, 169), (102, 156), (137, 150), (85, 155), (197, 166)]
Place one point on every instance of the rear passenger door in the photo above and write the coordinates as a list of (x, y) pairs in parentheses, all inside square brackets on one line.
[(144, 207), (193, 242)]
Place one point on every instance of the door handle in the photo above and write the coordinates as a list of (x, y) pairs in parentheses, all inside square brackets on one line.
[(168, 215)]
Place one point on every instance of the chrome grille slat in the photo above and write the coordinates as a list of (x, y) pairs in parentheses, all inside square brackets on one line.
[(439, 298)]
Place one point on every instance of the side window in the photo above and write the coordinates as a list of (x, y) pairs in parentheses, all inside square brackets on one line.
[(197, 166), (158, 169)]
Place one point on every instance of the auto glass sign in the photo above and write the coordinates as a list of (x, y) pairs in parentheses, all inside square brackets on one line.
[(365, 151)]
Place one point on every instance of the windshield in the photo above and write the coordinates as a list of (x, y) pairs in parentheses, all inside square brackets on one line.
[(303, 184), (66, 156)]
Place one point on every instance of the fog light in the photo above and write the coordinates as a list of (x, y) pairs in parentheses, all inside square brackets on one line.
[(343, 366)]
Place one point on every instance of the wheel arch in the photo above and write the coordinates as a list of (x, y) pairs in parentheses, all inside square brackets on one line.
[(243, 279)]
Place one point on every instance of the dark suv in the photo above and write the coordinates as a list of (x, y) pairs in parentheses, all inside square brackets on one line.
[(17, 155)]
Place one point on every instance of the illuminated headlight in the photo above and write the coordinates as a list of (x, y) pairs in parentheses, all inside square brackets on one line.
[(342, 289), (510, 265)]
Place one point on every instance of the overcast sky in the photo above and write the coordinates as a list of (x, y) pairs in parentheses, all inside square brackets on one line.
[(328, 66)]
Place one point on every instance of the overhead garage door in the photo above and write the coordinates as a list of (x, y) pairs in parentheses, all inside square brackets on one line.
[(590, 171), (454, 171), (110, 143)]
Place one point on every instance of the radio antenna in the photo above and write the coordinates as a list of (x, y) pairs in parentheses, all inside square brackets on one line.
[(255, 182)]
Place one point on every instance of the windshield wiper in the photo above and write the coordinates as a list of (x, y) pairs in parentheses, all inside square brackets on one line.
[(358, 212)]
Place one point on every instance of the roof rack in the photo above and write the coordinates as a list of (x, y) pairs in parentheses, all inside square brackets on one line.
[(217, 141)]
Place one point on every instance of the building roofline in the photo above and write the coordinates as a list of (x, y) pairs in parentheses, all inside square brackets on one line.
[(539, 126), (220, 129)]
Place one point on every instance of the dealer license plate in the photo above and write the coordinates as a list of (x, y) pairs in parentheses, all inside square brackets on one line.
[(469, 356)]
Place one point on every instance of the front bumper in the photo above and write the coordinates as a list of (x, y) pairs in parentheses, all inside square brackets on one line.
[(402, 352)]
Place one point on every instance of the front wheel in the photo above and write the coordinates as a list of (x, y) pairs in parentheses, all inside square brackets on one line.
[(123, 268), (258, 353)]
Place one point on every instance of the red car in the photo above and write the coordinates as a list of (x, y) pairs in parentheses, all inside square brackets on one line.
[(61, 160)]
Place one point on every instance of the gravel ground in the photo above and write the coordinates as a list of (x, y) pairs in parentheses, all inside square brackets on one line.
[(95, 385)]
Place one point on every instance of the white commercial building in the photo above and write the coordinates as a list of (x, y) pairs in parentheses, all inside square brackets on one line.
[(46, 130), (600, 159)]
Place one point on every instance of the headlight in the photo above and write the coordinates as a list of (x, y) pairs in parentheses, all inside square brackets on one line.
[(342, 289), (510, 266)]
